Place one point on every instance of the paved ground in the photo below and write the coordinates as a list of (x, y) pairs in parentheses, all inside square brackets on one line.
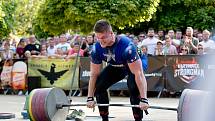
[(14, 104)]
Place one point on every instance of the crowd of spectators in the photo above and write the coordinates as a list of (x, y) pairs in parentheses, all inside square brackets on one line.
[(67, 46)]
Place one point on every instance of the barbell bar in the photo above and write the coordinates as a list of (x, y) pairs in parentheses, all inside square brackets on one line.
[(52, 104), (60, 106)]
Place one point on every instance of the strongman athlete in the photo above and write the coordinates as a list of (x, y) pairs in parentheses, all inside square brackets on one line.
[(122, 58)]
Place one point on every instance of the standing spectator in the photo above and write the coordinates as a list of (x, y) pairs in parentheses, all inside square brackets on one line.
[(7, 54), (141, 37), (43, 51), (200, 49), (207, 44), (200, 37), (33, 47), (13, 45), (177, 41), (184, 50), (90, 43), (56, 40), (63, 45), (190, 41), (20, 48), (51, 48), (150, 42), (159, 48), (195, 32), (75, 50), (135, 40), (59, 54), (161, 35), (169, 49), (144, 58), (171, 34)]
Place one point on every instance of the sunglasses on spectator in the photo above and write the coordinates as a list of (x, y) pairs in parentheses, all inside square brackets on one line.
[(141, 36), (200, 48), (184, 50)]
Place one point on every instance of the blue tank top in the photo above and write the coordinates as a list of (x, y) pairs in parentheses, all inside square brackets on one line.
[(123, 51)]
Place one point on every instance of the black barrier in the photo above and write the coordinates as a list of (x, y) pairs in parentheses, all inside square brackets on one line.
[(171, 72)]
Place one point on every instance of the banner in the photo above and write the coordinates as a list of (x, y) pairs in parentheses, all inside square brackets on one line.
[(154, 73), (183, 72), (54, 72), (173, 73), (12, 74)]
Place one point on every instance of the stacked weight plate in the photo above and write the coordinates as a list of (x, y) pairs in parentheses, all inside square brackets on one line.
[(42, 105)]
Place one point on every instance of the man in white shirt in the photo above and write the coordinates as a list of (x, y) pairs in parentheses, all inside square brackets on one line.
[(63, 45), (207, 44), (51, 48), (150, 42)]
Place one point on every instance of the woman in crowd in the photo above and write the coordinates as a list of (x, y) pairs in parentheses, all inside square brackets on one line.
[(184, 50), (20, 48)]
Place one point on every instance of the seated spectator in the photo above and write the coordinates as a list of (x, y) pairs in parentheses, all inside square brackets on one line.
[(184, 50), (169, 49), (159, 48)]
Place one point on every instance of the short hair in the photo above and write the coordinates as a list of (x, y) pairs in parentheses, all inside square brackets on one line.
[(102, 26), (167, 36), (144, 46), (206, 31), (150, 29), (191, 29), (159, 42)]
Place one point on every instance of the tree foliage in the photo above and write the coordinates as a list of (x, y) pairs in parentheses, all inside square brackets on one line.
[(24, 15), (57, 16), (7, 9), (179, 14)]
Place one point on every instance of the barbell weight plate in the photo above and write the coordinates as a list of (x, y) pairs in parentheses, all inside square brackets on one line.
[(7, 115), (55, 96), (41, 105), (190, 103), (29, 108), (35, 105)]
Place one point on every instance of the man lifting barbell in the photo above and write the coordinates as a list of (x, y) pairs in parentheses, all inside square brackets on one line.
[(123, 60)]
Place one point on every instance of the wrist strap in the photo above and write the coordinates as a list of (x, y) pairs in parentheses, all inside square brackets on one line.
[(90, 99), (144, 100)]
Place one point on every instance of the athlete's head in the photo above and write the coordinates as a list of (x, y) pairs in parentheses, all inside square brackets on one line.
[(104, 33)]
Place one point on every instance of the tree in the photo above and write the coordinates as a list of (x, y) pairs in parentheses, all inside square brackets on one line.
[(58, 16), (24, 15), (179, 14), (7, 9)]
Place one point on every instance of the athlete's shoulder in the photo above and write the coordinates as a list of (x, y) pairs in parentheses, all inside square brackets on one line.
[(124, 39)]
